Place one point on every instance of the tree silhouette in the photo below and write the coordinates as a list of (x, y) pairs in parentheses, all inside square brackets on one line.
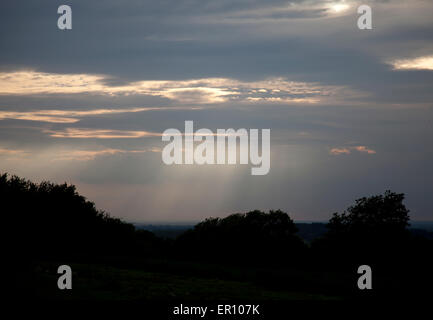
[(372, 216), (255, 236), (374, 229), (50, 219)]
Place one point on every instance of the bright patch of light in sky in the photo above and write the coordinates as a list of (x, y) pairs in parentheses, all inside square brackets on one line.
[(339, 7), (420, 63)]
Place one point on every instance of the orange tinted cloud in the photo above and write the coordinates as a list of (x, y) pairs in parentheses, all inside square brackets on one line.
[(364, 149), (6, 151), (200, 91), (83, 133), (337, 151), (73, 116), (348, 150), (420, 63), (87, 155)]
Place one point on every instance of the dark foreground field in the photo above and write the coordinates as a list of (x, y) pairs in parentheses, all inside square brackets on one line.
[(102, 282)]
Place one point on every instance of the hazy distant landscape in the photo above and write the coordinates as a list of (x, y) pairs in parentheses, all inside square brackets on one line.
[(308, 231)]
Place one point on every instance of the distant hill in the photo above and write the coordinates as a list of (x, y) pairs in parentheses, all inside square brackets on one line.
[(167, 231), (308, 231)]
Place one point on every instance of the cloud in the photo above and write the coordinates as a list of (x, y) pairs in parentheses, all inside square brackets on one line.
[(87, 155), (71, 154), (73, 116), (337, 7), (222, 64), (195, 91), (338, 151), (85, 133), (419, 63), (13, 152), (348, 150), (364, 149), (284, 11)]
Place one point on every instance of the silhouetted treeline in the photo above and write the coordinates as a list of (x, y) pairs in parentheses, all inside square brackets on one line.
[(48, 219), (52, 221), (255, 236)]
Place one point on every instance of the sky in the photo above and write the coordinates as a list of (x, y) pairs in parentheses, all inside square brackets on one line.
[(350, 111)]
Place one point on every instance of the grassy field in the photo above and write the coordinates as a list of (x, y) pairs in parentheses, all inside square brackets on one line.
[(101, 282)]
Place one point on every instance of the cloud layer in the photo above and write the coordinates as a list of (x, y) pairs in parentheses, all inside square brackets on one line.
[(349, 110)]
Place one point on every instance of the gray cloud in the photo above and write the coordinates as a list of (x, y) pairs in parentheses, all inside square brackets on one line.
[(245, 42)]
